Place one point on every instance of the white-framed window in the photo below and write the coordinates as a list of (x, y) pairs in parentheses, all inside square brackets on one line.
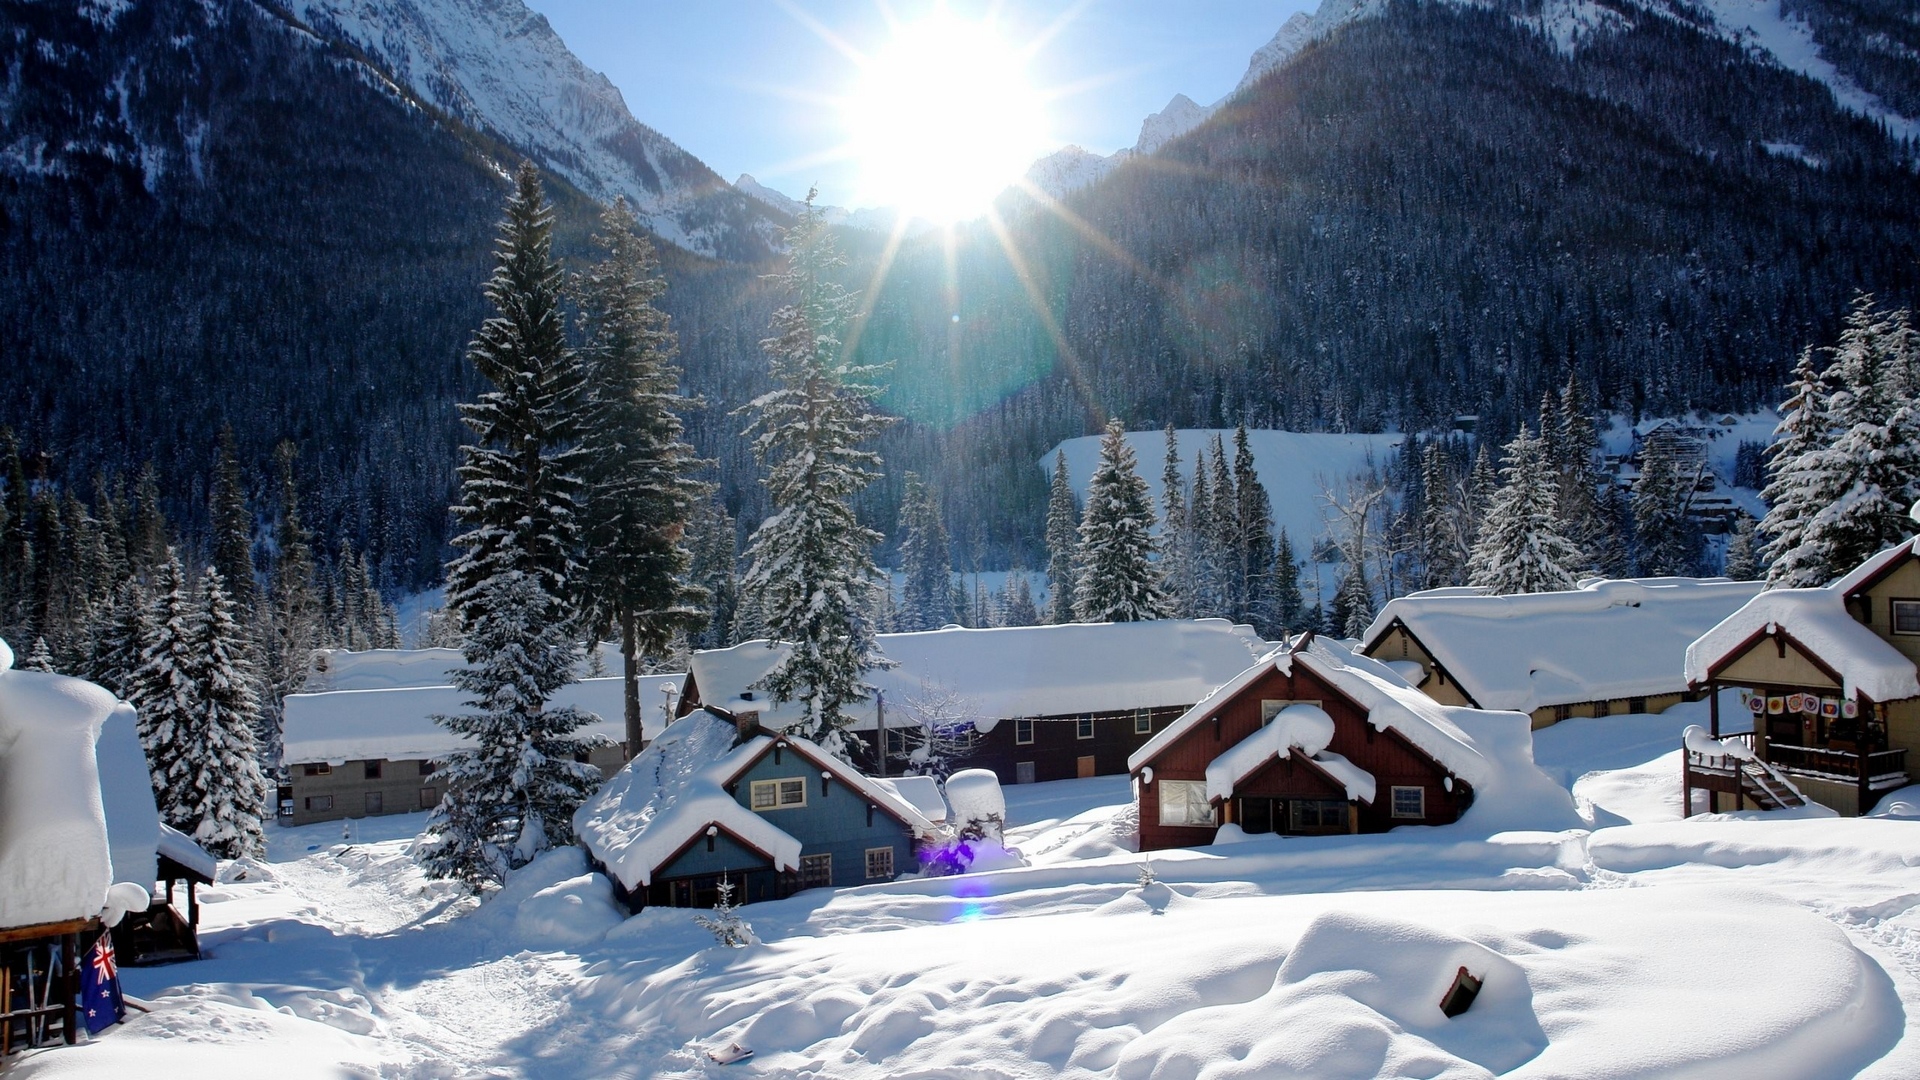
[(1409, 802), (1184, 802), (781, 794), (879, 863), (1023, 732), (1083, 728), (1270, 708), (1906, 616), (1143, 721)]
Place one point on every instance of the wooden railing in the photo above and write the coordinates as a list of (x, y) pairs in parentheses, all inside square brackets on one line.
[(1840, 763)]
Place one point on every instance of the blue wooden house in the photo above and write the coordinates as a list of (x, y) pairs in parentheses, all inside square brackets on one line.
[(717, 796)]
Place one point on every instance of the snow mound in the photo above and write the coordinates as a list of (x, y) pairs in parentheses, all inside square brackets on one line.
[(54, 859), (556, 902), (1359, 996), (975, 795)]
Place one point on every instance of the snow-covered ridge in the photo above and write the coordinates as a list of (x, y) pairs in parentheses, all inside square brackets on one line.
[(496, 65)]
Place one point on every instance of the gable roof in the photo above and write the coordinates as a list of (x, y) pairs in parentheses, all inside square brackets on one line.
[(1818, 622), (1604, 640), (1869, 573), (1008, 672), (675, 790)]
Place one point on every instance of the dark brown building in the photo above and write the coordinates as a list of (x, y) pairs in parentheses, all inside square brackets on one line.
[(1313, 741)]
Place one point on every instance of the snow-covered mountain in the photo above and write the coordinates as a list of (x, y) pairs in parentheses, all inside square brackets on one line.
[(1761, 26), (879, 219), (497, 66)]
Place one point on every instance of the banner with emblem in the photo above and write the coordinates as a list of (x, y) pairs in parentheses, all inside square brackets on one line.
[(100, 987)]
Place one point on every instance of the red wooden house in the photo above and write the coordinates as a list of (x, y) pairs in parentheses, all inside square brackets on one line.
[(1314, 741)]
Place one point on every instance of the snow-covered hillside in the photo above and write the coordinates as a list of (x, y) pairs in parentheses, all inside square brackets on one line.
[(877, 219), (496, 65), (1761, 26)]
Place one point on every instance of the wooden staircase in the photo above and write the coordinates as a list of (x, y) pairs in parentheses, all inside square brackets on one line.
[(1728, 765), (1768, 789)]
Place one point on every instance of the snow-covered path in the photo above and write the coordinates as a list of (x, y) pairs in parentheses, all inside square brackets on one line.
[(1649, 947)]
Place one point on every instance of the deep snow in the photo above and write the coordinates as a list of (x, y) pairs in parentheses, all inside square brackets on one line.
[(1729, 945)]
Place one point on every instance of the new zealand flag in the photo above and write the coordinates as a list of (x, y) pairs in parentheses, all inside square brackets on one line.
[(100, 987)]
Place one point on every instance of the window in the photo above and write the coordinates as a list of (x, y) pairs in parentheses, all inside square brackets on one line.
[(1409, 802), (1602, 708), (1184, 802), (879, 863), (1637, 705), (319, 802), (1023, 772), (1906, 616), (373, 770), (896, 742), (1023, 732), (427, 767), (1083, 728), (376, 803), (1143, 721), (816, 871), (317, 768), (1310, 815), (582, 757), (1270, 709), (778, 794), (429, 798)]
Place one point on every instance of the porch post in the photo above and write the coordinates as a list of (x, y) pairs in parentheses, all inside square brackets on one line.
[(1713, 705)]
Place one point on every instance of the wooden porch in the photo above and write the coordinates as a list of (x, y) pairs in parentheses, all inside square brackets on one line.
[(40, 984), (1817, 743)]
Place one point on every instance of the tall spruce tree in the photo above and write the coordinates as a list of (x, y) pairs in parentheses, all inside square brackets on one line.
[(1289, 609), (1063, 545), (229, 795), (1847, 495), (1253, 539), (512, 789), (810, 564), (233, 528), (1742, 562), (1176, 533), (294, 616), (1119, 581), (169, 693), (713, 569), (1667, 540), (641, 492), (1221, 542), (926, 595), (1443, 555), (1519, 549)]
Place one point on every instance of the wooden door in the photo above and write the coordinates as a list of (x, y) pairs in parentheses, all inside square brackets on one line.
[(1084, 767)]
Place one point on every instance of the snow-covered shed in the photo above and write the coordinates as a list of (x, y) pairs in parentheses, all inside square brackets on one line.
[(714, 797), (1829, 676), (365, 752), (1321, 740), (1606, 648), (1042, 702)]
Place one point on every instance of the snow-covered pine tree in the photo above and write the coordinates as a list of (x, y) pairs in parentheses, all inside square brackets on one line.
[(1846, 496), (1483, 485), (512, 788), (810, 564), (1020, 606), (229, 797), (148, 534), (1204, 560), (1576, 443), (1519, 549), (1790, 497), (233, 528), (713, 569), (513, 791), (294, 616), (1119, 581), (1227, 588), (40, 658), (1253, 539), (1742, 551), (1442, 555), (638, 468), (1667, 539), (121, 628), (1352, 602), (1289, 608), (1063, 545), (926, 594), (169, 693), (1176, 533)]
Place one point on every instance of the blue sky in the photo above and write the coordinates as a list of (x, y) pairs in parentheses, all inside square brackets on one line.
[(749, 85)]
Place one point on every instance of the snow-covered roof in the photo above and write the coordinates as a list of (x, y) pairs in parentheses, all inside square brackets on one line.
[(126, 794), (1491, 750), (54, 861), (1604, 640), (397, 724), (1818, 619), (1305, 727), (920, 792), (676, 789), (1861, 575), (1008, 672), (390, 669), (180, 847)]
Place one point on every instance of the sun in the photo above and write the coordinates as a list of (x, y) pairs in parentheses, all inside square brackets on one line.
[(944, 119)]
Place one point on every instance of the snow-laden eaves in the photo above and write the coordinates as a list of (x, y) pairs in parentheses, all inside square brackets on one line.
[(54, 859), (1305, 727), (1602, 641), (180, 847), (1818, 621)]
